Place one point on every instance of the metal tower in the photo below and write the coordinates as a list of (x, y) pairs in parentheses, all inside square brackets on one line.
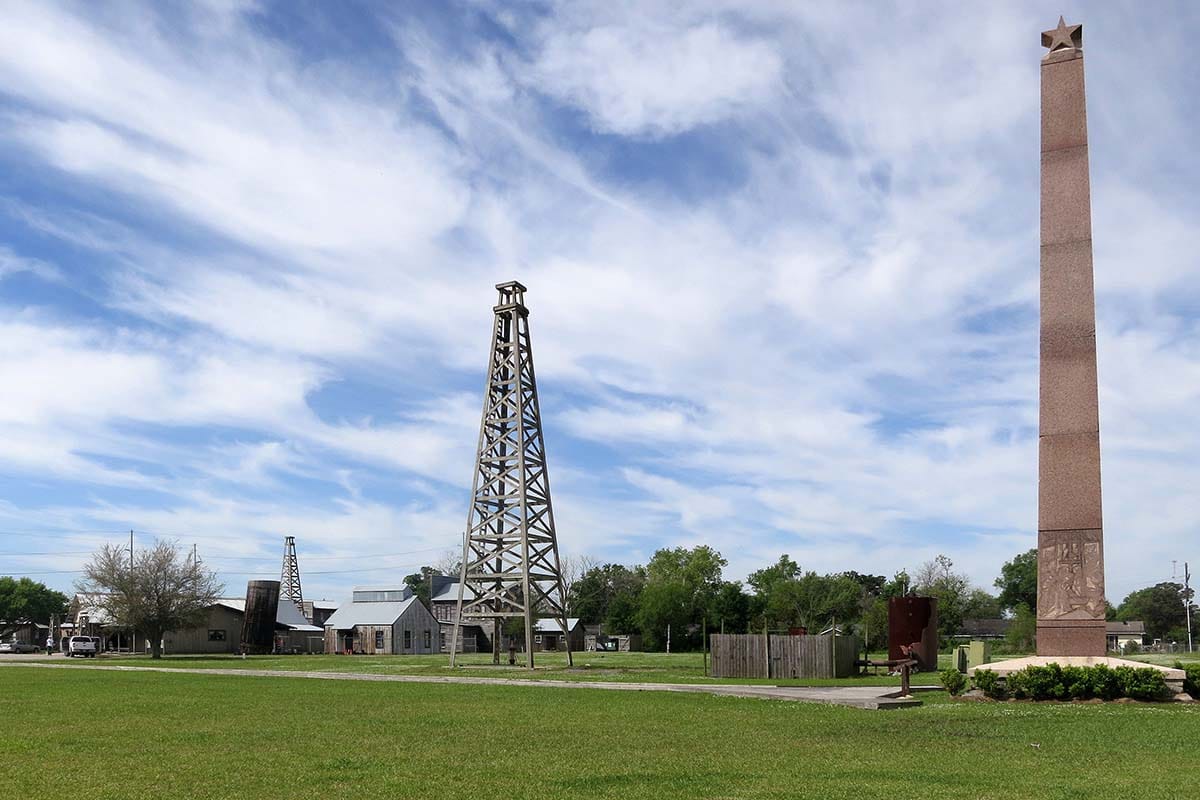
[(510, 551), (289, 577)]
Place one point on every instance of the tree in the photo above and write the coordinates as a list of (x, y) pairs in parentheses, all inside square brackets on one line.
[(765, 583), (621, 614), (874, 610), (731, 608), (1018, 581), (572, 569), (790, 598), (900, 585), (419, 583), (1021, 635), (872, 585), (1160, 607), (764, 580), (875, 623), (819, 600), (26, 600), (681, 586), (979, 604), (608, 595), (937, 578), (449, 563), (163, 590)]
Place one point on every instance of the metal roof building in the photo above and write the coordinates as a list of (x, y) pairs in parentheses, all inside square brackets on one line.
[(548, 634), (382, 620)]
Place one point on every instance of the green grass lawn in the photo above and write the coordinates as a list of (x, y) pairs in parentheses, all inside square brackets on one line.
[(634, 667), (152, 735), (627, 667)]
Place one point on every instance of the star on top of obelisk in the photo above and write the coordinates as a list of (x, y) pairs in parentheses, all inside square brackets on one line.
[(1064, 37)]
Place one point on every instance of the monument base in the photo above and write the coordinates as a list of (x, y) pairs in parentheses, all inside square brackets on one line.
[(1071, 637), (1173, 677)]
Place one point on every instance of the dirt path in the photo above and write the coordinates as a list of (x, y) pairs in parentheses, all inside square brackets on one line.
[(872, 697)]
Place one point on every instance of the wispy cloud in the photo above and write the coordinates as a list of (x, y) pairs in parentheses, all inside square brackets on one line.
[(783, 271)]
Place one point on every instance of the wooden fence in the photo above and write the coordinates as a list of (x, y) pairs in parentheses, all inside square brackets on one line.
[(753, 655)]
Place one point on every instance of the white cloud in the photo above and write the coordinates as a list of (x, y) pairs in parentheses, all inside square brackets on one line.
[(11, 264), (649, 77), (248, 143), (826, 354)]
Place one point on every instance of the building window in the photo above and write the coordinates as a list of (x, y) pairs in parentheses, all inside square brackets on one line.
[(408, 640), (537, 638), (215, 635), (378, 640), (443, 641), (428, 639)]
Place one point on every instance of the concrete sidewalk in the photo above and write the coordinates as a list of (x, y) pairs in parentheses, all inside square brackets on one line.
[(869, 697)]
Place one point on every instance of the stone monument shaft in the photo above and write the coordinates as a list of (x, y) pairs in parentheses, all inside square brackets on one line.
[(1071, 608)]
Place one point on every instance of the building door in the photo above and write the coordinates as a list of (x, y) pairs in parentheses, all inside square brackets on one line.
[(549, 642)]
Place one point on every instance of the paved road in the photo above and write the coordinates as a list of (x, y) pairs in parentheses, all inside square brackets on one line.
[(872, 697)]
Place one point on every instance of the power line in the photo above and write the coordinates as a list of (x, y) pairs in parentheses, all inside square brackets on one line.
[(65, 532), (396, 567), (264, 559)]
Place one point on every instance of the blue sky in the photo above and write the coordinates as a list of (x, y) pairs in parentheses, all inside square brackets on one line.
[(782, 266)]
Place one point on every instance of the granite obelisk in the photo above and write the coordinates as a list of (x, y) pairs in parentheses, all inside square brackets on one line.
[(1071, 608)]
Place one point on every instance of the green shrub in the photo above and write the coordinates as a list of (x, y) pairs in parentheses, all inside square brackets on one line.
[(1078, 683), (1043, 683), (1144, 683), (1105, 682), (1191, 680), (1014, 684), (953, 681), (989, 683), (1054, 682)]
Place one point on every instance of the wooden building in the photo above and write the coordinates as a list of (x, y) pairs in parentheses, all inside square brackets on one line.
[(548, 635), (474, 636), (382, 620), (1125, 635), (982, 629), (319, 611), (613, 643), (26, 632), (222, 631), (219, 633)]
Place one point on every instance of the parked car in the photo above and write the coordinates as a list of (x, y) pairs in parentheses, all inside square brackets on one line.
[(17, 647), (81, 646)]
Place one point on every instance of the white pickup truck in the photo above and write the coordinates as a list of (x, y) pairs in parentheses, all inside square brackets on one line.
[(81, 646)]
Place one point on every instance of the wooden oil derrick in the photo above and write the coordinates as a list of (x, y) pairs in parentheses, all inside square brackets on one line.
[(510, 550)]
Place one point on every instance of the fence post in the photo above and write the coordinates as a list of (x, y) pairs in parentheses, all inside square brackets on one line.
[(767, 644)]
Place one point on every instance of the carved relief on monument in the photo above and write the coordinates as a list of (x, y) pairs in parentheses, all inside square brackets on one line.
[(1070, 575)]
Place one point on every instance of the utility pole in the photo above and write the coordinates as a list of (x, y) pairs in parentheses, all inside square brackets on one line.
[(1187, 602), (132, 632)]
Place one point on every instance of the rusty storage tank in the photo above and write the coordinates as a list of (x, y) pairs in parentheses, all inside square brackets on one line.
[(258, 624), (914, 621)]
